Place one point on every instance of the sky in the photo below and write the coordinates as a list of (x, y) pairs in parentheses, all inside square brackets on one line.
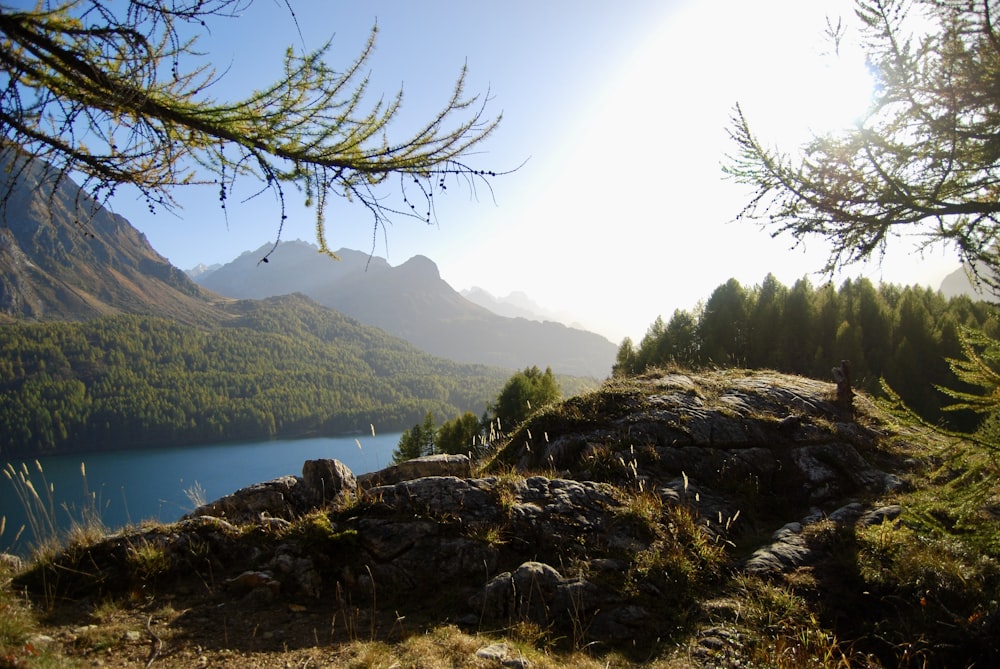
[(615, 117)]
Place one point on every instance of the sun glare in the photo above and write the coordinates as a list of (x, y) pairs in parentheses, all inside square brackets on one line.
[(824, 88)]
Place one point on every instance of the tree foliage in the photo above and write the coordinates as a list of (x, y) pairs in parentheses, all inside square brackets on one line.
[(277, 369), (120, 93), (525, 392), (459, 435), (922, 160), (977, 368), (416, 441), (906, 336)]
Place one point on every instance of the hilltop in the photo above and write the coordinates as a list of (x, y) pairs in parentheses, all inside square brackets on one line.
[(678, 519)]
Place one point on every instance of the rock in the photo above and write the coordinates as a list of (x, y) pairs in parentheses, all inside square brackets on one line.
[(527, 593), (439, 496), (40, 641), (787, 550), (881, 515), (648, 480), (328, 480), (428, 465), (495, 651), (254, 580), (284, 497), (833, 469)]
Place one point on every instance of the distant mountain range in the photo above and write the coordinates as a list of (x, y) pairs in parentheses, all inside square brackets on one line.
[(516, 305), (63, 257), (414, 303)]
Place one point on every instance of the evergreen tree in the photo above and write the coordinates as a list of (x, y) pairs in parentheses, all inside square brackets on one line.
[(797, 332), (681, 343), (764, 336), (459, 435), (625, 360), (525, 392), (924, 157), (724, 325), (417, 441)]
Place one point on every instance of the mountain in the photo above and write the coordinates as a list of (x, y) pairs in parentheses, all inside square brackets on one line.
[(958, 283), (515, 305), (65, 257), (202, 268), (413, 302)]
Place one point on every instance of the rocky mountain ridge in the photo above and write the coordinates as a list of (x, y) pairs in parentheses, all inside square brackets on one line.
[(649, 516), (65, 257)]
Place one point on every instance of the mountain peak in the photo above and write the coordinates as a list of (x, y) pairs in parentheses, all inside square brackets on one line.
[(413, 302), (421, 266)]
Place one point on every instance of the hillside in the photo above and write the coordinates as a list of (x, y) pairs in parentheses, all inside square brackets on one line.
[(413, 302), (284, 367), (65, 258), (678, 519), (105, 345)]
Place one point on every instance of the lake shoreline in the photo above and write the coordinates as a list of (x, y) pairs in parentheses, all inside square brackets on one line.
[(154, 446), (133, 485)]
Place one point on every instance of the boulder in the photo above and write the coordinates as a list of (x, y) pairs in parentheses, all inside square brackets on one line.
[(284, 497), (328, 480), (428, 465)]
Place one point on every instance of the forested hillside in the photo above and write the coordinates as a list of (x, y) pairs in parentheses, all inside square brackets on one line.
[(283, 367), (901, 334)]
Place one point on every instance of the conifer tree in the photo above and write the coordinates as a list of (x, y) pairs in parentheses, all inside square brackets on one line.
[(525, 392)]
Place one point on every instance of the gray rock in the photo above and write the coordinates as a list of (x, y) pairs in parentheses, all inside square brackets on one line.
[(881, 515), (429, 465), (787, 550), (283, 497), (328, 480), (495, 651)]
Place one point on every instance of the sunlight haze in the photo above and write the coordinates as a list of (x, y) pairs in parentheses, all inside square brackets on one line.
[(617, 116)]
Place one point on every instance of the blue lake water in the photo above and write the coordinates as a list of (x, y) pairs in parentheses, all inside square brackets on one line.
[(131, 486)]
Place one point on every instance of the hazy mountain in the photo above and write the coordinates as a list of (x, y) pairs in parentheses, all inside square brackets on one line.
[(514, 305), (201, 268), (64, 257), (958, 283), (413, 302)]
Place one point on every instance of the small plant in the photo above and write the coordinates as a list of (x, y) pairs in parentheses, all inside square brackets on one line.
[(196, 495), (784, 633), (147, 561), (41, 511), (494, 535)]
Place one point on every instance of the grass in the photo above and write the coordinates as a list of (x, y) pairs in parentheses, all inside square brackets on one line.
[(37, 499)]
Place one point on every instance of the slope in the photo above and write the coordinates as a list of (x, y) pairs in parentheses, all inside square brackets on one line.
[(65, 257)]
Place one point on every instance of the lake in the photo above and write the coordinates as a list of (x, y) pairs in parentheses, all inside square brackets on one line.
[(135, 485)]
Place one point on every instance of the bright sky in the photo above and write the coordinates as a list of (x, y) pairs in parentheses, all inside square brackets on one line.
[(621, 212)]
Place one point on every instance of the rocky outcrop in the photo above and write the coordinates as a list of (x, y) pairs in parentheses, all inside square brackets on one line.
[(323, 482), (602, 519)]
